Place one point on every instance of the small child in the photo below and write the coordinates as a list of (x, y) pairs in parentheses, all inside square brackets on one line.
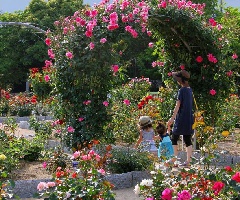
[(147, 135), (165, 150)]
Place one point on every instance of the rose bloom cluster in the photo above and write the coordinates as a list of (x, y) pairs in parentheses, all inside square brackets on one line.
[(201, 188)]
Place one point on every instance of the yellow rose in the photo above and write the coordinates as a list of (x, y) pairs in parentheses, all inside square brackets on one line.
[(208, 128), (2, 157), (225, 133), (194, 125)]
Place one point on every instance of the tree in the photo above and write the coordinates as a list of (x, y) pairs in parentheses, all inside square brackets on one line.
[(23, 48)]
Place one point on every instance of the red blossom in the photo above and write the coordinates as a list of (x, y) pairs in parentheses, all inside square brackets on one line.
[(228, 168), (199, 59), (74, 175), (236, 177)]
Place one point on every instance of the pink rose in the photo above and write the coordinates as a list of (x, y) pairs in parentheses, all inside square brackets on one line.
[(47, 78), (105, 103), (48, 41), (70, 129), (103, 40), (234, 56), (212, 92), (41, 186), (69, 55), (126, 102)]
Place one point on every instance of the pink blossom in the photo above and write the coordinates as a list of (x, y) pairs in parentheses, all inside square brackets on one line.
[(167, 194), (91, 152), (103, 40), (65, 30), (212, 22), (219, 27), (160, 64), (51, 54), (113, 17), (163, 4), (41, 186), (112, 27), (154, 64), (76, 154), (124, 18), (169, 74), (182, 67), (70, 129), (234, 56), (105, 103), (115, 69), (212, 92), (47, 78), (150, 198), (88, 33), (48, 63), (87, 102), (229, 73), (82, 22), (184, 195), (217, 187), (199, 59), (212, 58), (126, 102), (51, 184), (102, 171), (150, 44), (69, 55), (97, 157), (149, 33), (48, 41), (44, 165), (56, 23), (86, 157), (91, 45), (93, 13), (80, 119)]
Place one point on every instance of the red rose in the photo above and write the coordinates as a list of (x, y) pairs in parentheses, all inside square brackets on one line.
[(199, 59)]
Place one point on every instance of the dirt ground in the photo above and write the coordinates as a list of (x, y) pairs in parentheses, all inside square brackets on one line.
[(35, 170)]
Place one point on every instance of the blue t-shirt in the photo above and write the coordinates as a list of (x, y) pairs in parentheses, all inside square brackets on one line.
[(184, 119), (165, 149)]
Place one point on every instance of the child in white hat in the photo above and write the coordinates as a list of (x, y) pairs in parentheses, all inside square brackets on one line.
[(147, 135)]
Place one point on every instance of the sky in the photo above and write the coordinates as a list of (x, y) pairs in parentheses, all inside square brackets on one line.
[(14, 5)]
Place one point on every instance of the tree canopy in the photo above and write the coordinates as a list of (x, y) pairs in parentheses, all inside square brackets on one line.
[(23, 48)]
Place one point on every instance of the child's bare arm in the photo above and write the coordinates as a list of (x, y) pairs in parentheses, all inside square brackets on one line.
[(139, 139)]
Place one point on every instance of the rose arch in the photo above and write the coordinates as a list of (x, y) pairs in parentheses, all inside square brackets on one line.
[(89, 51)]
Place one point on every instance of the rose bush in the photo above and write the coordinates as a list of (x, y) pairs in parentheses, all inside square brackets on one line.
[(194, 183), (87, 182)]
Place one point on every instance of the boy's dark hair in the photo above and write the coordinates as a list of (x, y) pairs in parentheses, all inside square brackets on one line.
[(161, 128)]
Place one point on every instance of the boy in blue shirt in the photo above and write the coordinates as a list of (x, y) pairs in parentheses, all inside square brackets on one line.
[(165, 150)]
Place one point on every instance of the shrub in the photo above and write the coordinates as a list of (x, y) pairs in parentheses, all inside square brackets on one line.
[(125, 160), (87, 182)]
